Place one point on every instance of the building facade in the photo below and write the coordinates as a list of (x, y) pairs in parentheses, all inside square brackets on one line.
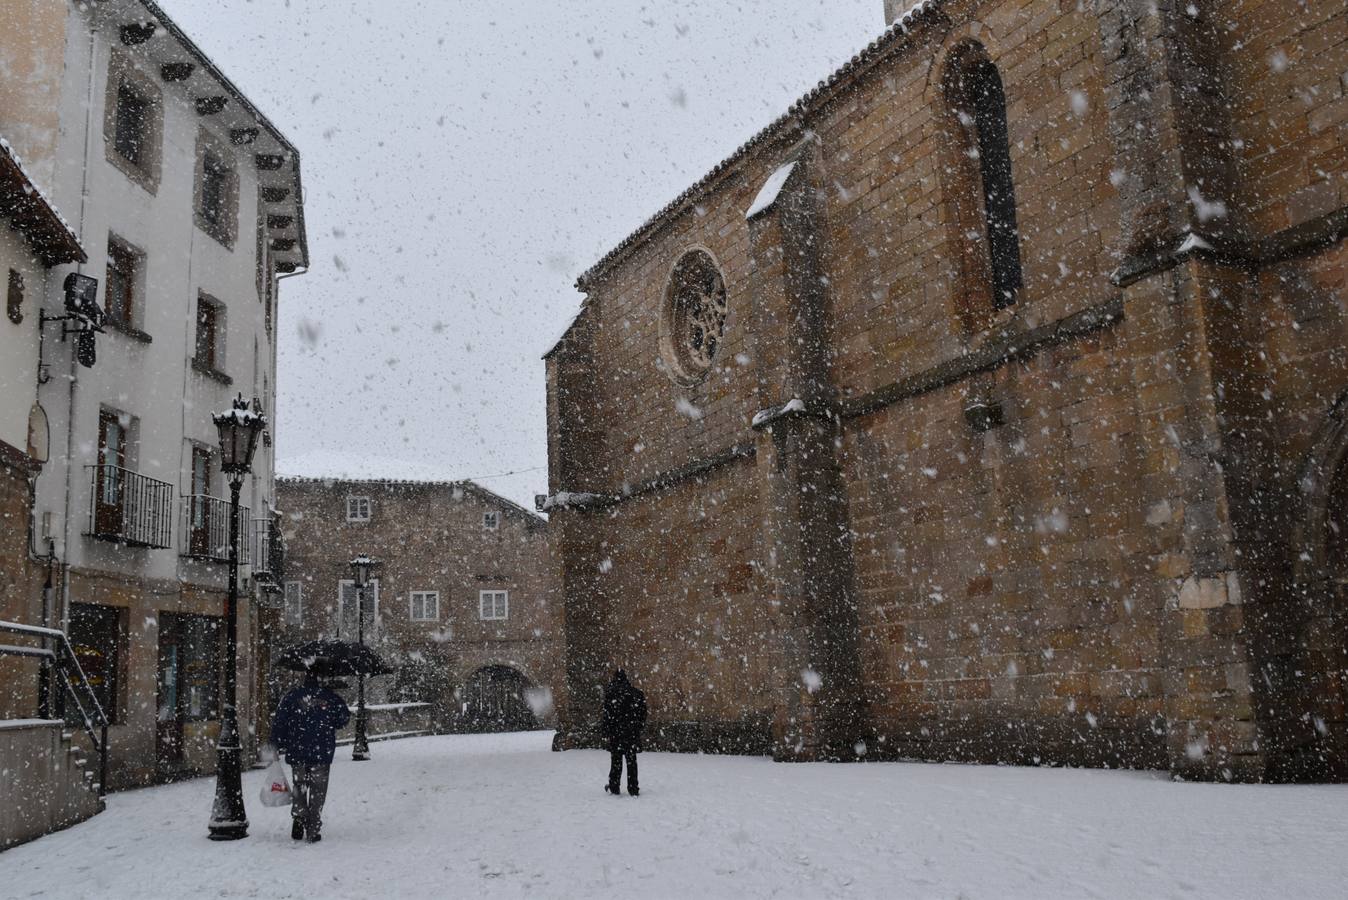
[(188, 203), (464, 607), (52, 788), (989, 405)]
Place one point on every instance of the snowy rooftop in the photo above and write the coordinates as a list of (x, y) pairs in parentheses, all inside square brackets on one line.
[(26, 207), (767, 194), (501, 816), (326, 468), (241, 111)]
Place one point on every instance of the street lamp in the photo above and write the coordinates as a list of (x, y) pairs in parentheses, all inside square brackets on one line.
[(361, 567), (239, 428)]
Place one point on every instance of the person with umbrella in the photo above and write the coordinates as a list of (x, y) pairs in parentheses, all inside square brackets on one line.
[(305, 729)]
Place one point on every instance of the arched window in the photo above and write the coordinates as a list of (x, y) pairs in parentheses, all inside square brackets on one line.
[(975, 93)]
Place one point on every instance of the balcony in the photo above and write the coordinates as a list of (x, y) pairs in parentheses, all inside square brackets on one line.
[(206, 529), (266, 549), (129, 508)]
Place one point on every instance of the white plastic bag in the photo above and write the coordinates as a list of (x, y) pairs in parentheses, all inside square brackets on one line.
[(275, 786)]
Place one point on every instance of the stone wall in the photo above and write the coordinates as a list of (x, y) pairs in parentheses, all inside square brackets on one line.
[(1071, 531), (49, 783), (430, 537)]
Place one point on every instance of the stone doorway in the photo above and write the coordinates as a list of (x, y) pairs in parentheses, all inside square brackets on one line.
[(495, 699), (1314, 674)]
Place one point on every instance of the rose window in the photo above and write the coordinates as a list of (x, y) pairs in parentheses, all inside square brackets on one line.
[(695, 315)]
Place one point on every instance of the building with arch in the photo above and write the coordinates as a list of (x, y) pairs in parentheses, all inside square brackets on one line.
[(988, 405), (464, 606)]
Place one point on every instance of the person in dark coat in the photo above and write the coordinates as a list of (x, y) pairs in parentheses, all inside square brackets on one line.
[(305, 729), (620, 727)]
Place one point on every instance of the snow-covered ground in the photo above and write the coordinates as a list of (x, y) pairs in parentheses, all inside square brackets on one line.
[(500, 816)]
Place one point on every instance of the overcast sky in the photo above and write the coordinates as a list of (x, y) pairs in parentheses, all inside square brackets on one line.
[(463, 162)]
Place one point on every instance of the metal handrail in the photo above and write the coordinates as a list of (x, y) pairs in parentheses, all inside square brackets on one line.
[(129, 507), (61, 655)]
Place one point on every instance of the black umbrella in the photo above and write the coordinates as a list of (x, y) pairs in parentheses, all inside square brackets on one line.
[(328, 658)]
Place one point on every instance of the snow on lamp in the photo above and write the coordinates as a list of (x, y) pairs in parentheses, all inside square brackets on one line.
[(239, 428)]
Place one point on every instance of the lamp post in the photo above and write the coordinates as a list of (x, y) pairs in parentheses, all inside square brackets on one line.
[(239, 429), (361, 567)]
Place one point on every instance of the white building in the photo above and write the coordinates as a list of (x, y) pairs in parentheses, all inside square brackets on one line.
[(188, 202)]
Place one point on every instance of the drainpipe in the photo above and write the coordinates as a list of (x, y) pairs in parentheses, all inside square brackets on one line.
[(70, 419), (261, 676)]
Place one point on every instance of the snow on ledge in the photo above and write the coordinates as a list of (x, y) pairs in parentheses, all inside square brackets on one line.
[(767, 194), (566, 499), (1192, 242), (383, 707), (764, 416), (15, 724)]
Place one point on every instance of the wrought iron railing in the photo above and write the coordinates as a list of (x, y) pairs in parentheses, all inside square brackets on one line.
[(262, 538), (60, 665), (129, 507), (205, 529)]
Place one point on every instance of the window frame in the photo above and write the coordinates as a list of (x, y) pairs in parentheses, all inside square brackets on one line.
[(297, 619), (14, 296), (424, 596), (217, 167), (122, 74), (214, 360), (127, 262), (494, 594), (491, 520), (359, 498), (134, 113), (371, 589), (214, 188)]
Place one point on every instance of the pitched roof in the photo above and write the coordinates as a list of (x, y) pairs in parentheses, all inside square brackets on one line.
[(466, 485), (33, 215), (299, 254)]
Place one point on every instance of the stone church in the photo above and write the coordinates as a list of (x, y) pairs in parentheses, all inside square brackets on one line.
[(988, 405)]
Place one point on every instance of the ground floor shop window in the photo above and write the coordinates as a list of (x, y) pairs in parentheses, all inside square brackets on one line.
[(190, 652), (97, 635)]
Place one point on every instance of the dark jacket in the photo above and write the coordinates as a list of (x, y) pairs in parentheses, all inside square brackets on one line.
[(624, 713), (306, 725)]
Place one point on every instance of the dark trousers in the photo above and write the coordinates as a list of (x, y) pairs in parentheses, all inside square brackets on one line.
[(309, 788), (615, 768)]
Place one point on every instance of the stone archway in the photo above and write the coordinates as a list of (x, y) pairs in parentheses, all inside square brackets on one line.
[(495, 699)]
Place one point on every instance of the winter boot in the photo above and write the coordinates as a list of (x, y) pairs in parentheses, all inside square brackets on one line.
[(612, 789), (296, 829), (634, 791), (313, 837)]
